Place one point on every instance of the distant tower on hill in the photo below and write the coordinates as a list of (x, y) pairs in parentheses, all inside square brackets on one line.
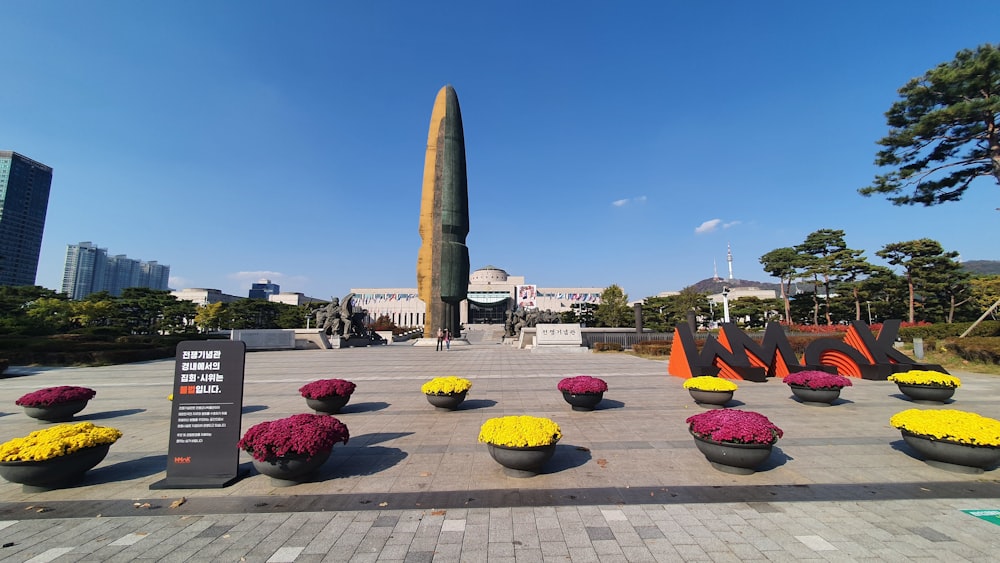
[(729, 257), (715, 270)]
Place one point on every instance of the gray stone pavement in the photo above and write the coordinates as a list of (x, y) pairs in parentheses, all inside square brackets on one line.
[(413, 484)]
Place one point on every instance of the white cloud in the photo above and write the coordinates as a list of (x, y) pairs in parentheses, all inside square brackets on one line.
[(253, 277), (622, 202), (288, 282), (713, 225), (177, 282), (707, 227)]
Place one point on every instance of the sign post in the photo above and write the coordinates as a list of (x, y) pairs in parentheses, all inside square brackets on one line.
[(205, 416)]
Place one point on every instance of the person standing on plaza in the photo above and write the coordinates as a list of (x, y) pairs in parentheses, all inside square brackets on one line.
[(440, 339), (447, 339)]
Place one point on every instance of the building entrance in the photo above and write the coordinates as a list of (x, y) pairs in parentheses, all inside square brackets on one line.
[(488, 313)]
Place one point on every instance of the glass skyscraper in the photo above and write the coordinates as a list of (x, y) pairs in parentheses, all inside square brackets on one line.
[(24, 201)]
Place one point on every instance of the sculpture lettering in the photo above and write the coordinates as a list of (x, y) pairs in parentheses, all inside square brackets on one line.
[(734, 355)]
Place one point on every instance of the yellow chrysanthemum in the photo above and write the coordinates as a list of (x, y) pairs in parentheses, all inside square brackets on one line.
[(949, 424), (446, 385), (925, 377), (57, 441), (519, 431), (710, 383)]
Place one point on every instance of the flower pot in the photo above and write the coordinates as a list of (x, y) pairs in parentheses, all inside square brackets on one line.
[(521, 462), (926, 394), (815, 397), (711, 399), (291, 469), (53, 473), (583, 401), (328, 405), (728, 457), (59, 412), (446, 402), (953, 456)]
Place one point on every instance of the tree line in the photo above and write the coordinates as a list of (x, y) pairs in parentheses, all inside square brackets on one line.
[(824, 282), (35, 310)]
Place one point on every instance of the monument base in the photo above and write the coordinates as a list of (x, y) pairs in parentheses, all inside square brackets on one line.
[(432, 342), (559, 348), (199, 482), (306, 338)]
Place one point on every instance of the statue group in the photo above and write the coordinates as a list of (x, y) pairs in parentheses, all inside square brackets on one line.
[(520, 318), (339, 318)]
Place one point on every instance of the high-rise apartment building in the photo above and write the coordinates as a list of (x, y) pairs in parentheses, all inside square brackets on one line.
[(89, 269), (24, 201), (86, 266)]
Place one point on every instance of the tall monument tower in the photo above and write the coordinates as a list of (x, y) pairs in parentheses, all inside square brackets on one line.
[(443, 260), (729, 258)]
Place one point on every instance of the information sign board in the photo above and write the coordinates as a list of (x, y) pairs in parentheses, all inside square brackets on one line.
[(205, 415)]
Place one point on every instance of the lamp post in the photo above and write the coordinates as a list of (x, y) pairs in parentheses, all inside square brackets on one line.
[(725, 304), (869, 303)]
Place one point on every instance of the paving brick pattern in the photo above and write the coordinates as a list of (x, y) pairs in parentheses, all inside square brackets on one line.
[(626, 484)]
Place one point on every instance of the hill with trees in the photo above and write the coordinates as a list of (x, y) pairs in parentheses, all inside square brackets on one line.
[(982, 267)]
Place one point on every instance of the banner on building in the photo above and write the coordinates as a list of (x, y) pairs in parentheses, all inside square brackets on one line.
[(526, 295)]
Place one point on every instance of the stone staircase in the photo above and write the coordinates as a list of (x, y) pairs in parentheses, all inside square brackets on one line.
[(484, 334)]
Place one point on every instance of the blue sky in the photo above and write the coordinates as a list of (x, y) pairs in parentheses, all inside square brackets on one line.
[(607, 142)]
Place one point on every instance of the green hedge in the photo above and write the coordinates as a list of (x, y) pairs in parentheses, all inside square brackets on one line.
[(652, 348), (975, 349), (940, 331), (77, 349)]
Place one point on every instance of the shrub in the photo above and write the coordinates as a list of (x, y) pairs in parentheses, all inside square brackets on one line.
[(652, 348), (607, 347), (941, 331), (980, 349)]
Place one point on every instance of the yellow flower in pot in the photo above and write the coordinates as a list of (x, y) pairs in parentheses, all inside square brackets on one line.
[(446, 393), (521, 444), (709, 391)]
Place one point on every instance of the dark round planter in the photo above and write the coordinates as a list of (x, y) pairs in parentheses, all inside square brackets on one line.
[(738, 459), (55, 473), (583, 401), (328, 405), (953, 456), (292, 469), (711, 399), (448, 402), (521, 462), (56, 413), (926, 394), (815, 397)]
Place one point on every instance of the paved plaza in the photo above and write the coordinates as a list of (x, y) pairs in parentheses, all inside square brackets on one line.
[(413, 484)]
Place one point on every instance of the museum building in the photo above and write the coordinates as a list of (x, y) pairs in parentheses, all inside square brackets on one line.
[(492, 292)]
